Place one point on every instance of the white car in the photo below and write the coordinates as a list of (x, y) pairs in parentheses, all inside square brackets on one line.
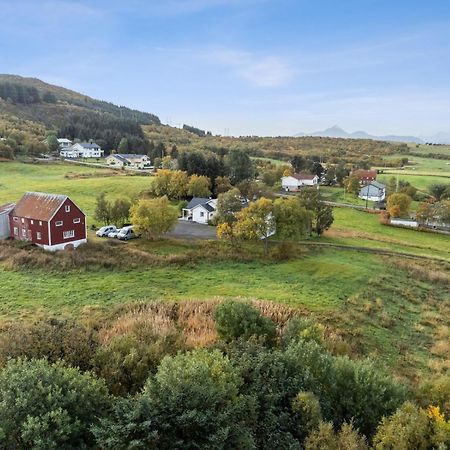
[(114, 234), (127, 233), (104, 231)]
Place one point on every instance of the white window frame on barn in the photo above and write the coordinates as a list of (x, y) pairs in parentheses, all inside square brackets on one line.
[(38, 235), (77, 220), (16, 231), (68, 234), (67, 208), (59, 223)]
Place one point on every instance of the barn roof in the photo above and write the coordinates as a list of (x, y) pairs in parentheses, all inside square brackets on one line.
[(38, 205), (362, 173)]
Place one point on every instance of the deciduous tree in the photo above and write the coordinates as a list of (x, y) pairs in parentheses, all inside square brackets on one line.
[(153, 217), (398, 205)]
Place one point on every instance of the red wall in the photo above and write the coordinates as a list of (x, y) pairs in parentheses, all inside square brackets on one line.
[(67, 219), (31, 230)]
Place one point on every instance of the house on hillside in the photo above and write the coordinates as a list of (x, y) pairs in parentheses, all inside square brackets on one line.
[(365, 176), (51, 221), (64, 143), (374, 192), (128, 159), (200, 210), (294, 182), (82, 150), (5, 230)]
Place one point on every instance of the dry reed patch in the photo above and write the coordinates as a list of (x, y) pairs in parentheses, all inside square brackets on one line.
[(425, 271)]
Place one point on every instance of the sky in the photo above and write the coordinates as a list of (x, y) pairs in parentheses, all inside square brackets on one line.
[(244, 67)]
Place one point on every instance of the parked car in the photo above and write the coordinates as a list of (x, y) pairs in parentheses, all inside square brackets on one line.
[(127, 233), (104, 231), (113, 234)]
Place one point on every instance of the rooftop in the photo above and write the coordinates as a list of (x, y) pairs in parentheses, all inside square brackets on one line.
[(38, 205)]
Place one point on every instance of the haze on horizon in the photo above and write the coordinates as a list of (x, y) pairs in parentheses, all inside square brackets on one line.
[(261, 67)]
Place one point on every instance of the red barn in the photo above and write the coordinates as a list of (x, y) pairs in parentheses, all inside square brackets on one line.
[(51, 221), (365, 176)]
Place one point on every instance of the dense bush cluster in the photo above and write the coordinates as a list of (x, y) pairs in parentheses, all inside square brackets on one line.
[(147, 379)]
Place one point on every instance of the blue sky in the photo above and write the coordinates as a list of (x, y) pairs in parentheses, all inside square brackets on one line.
[(267, 67)]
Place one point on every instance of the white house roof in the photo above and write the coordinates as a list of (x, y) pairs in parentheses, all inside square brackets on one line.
[(89, 145), (64, 141)]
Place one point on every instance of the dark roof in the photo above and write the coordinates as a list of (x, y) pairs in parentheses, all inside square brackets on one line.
[(304, 176), (7, 208), (197, 201), (120, 157), (377, 185), (89, 145), (129, 155), (38, 205), (208, 207)]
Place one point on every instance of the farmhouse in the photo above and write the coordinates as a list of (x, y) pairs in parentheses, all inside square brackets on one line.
[(295, 181), (365, 176), (374, 192), (64, 143), (125, 159), (50, 221), (5, 230), (82, 150), (200, 210)]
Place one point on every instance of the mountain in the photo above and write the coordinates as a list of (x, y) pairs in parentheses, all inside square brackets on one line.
[(338, 132)]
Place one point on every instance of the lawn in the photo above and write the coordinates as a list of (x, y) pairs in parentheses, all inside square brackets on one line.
[(353, 227), (338, 195), (16, 178)]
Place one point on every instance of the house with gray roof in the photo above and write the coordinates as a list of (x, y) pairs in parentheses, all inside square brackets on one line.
[(373, 191), (128, 159), (200, 210)]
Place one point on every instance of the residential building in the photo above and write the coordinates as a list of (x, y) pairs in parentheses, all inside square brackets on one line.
[(200, 210), (82, 150), (51, 221), (128, 159), (64, 143), (374, 192), (365, 176), (294, 182)]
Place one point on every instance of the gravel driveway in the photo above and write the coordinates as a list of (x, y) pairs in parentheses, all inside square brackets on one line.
[(192, 230)]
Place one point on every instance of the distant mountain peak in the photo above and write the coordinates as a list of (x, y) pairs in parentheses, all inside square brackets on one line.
[(338, 132)]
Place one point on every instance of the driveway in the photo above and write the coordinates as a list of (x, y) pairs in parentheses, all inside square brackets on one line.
[(192, 230)]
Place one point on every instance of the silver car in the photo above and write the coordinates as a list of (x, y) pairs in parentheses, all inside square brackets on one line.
[(104, 231)]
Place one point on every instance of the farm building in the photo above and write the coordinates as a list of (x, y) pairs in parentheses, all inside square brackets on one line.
[(5, 231), (50, 221), (200, 210), (365, 176), (295, 181), (64, 143)]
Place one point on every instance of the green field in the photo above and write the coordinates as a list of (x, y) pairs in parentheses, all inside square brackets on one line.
[(374, 301), (16, 178)]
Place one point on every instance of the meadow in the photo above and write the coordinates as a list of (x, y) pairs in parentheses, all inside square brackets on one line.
[(384, 306), (81, 183)]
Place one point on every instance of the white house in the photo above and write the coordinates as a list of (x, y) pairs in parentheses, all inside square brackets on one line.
[(128, 159), (295, 181), (374, 192), (64, 143), (82, 150), (200, 210)]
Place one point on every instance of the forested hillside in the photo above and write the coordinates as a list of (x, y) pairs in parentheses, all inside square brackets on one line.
[(27, 102)]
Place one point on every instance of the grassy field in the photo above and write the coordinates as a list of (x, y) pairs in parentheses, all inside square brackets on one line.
[(16, 178), (337, 194), (380, 304)]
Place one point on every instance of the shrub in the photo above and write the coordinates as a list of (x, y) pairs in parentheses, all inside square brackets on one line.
[(236, 320), (325, 438), (48, 406), (193, 401), (51, 339)]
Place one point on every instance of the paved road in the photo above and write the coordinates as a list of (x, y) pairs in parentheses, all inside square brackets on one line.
[(190, 230)]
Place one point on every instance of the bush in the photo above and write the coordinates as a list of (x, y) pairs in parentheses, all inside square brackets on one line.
[(236, 320), (193, 401), (48, 406), (51, 339), (325, 438)]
